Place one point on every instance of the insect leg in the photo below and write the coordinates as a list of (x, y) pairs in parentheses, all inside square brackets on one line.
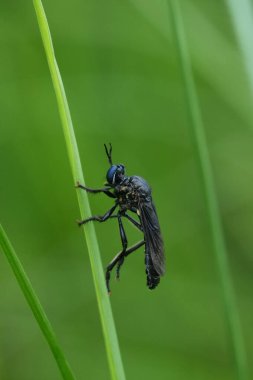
[(105, 190), (124, 245), (117, 258), (135, 223), (132, 220), (109, 268), (134, 209), (128, 251), (121, 259), (134, 247), (98, 218)]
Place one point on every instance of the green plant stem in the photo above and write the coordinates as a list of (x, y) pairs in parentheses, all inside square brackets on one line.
[(242, 17), (35, 305), (111, 340), (197, 128)]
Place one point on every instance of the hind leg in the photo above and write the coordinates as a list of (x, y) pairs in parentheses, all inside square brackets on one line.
[(117, 260), (120, 257)]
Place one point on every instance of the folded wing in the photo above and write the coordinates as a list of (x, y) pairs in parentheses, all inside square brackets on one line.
[(152, 235)]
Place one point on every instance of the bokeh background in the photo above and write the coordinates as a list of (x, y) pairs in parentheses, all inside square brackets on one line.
[(122, 77)]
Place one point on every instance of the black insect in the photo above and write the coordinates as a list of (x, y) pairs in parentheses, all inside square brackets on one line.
[(132, 194)]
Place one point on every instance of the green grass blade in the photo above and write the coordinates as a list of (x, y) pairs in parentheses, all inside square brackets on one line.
[(242, 17), (111, 340), (35, 305), (197, 128)]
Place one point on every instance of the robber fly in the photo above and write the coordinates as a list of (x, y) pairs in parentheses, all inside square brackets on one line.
[(131, 194)]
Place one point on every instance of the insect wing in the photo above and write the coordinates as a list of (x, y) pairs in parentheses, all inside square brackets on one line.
[(152, 234)]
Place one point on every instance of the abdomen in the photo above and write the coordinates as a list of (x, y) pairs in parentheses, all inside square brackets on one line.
[(153, 277)]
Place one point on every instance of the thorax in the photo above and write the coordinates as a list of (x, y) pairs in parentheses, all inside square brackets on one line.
[(131, 191)]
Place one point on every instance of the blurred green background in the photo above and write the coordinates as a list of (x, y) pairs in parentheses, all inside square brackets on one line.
[(121, 73)]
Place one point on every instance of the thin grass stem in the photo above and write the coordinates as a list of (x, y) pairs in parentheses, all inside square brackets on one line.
[(35, 305), (196, 125), (110, 335), (242, 17)]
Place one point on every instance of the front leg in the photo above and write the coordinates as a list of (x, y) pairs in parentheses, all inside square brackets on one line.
[(105, 190), (99, 218)]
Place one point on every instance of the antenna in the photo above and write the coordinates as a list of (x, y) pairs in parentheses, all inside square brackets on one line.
[(109, 153)]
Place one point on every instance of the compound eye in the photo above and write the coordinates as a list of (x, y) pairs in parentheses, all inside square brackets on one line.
[(110, 176), (121, 168)]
